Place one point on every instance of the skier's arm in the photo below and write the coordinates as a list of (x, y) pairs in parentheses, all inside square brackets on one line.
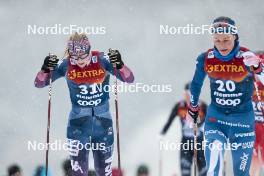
[(124, 74), (42, 78), (254, 64), (261, 74), (170, 120), (198, 79)]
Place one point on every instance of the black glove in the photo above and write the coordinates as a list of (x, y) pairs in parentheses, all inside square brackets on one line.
[(50, 62), (193, 112), (115, 59)]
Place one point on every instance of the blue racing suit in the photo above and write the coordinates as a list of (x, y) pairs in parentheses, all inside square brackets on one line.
[(230, 116), (90, 123)]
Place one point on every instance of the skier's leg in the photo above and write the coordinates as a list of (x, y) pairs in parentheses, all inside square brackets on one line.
[(242, 158), (201, 158), (215, 140), (104, 138), (214, 152), (78, 138), (244, 137), (186, 157)]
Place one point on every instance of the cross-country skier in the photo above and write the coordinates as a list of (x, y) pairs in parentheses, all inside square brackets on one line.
[(90, 124), (258, 99), (230, 116), (186, 155)]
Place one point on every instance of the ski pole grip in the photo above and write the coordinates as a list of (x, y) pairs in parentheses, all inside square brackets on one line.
[(111, 51)]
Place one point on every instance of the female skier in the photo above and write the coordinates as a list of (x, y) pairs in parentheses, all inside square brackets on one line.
[(90, 124), (230, 118)]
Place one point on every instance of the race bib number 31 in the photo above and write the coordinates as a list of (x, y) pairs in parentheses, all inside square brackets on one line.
[(89, 95)]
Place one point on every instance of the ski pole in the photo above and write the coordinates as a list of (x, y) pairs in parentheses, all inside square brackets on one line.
[(49, 119), (48, 123), (195, 128), (160, 159), (117, 115)]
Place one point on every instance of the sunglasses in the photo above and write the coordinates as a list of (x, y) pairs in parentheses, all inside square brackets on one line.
[(76, 57), (223, 28)]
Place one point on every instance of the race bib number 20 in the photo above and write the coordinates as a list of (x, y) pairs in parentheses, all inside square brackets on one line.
[(227, 86), (226, 90)]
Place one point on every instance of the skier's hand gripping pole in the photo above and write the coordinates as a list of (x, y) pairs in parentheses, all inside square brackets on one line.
[(48, 123), (115, 58), (194, 112), (49, 65), (195, 128)]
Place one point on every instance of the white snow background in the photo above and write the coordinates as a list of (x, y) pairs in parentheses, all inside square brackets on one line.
[(133, 28)]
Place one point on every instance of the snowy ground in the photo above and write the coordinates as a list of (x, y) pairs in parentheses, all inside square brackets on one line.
[(133, 28)]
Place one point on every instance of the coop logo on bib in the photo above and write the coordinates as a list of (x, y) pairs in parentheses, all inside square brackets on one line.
[(89, 103), (228, 102)]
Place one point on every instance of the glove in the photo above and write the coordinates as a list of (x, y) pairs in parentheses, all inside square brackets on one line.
[(251, 60), (50, 62), (115, 59), (193, 112)]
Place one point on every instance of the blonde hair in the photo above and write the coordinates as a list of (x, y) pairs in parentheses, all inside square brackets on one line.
[(78, 36)]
